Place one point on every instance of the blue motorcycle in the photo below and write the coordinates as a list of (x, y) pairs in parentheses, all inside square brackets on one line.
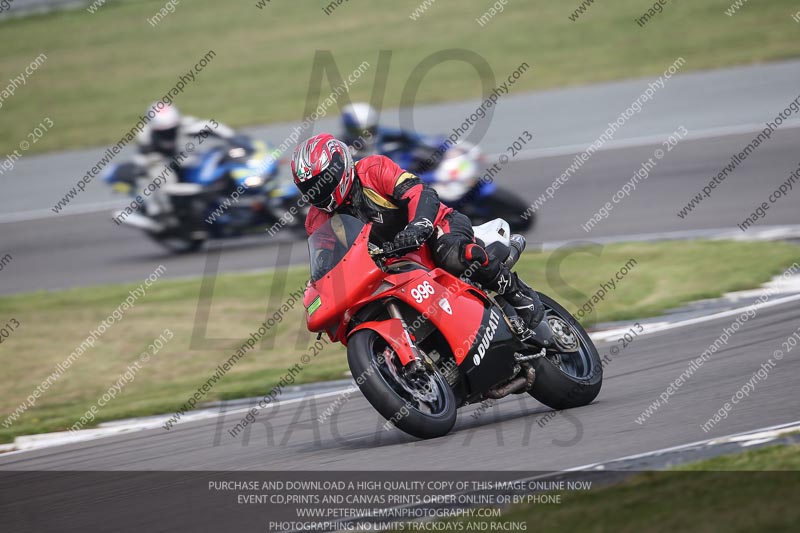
[(227, 191)]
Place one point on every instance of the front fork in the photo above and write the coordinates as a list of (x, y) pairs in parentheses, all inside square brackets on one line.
[(418, 361)]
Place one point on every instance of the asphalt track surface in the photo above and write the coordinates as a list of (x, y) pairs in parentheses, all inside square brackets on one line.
[(89, 249), (514, 434)]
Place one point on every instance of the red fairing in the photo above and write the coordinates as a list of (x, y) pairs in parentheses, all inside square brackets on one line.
[(356, 277), (392, 329), (309, 295), (451, 305), (454, 307)]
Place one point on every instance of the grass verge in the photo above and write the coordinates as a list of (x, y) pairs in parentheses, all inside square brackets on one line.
[(103, 69), (52, 325)]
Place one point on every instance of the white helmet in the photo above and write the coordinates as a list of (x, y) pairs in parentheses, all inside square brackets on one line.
[(164, 128), (358, 118), (167, 116)]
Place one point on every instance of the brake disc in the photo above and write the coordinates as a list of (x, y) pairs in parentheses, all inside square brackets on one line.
[(563, 334), (423, 392)]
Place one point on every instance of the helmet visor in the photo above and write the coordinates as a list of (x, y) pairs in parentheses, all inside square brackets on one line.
[(320, 189), (165, 140)]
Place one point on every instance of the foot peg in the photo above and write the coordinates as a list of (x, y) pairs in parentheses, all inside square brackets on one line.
[(520, 328)]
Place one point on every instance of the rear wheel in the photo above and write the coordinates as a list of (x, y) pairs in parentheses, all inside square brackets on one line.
[(422, 405), (567, 380)]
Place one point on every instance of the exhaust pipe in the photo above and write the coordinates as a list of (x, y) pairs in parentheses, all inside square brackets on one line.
[(522, 383)]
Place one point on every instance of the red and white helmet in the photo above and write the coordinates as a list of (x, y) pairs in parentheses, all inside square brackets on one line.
[(323, 170)]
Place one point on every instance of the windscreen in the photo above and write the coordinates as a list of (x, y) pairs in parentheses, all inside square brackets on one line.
[(331, 242)]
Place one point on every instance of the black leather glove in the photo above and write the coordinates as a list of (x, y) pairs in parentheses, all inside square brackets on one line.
[(414, 234)]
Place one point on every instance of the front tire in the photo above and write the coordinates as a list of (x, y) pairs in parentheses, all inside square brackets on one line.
[(564, 381), (427, 413)]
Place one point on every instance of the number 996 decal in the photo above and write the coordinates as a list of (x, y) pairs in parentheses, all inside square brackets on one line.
[(422, 292)]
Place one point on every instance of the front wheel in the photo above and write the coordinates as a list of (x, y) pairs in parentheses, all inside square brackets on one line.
[(422, 405), (567, 380)]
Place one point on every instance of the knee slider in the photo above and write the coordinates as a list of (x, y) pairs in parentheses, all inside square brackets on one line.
[(474, 253), (447, 255)]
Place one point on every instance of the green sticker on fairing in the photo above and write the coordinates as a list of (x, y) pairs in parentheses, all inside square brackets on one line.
[(314, 305)]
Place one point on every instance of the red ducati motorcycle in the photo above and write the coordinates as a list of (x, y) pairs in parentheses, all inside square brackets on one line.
[(422, 342)]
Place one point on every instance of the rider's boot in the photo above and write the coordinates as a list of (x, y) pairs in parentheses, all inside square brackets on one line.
[(522, 298), (496, 276)]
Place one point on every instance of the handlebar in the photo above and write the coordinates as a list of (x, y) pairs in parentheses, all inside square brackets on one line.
[(388, 250)]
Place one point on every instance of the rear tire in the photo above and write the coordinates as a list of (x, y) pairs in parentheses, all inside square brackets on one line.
[(386, 394), (577, 380)]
